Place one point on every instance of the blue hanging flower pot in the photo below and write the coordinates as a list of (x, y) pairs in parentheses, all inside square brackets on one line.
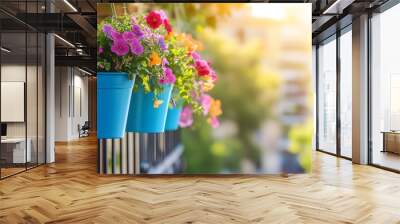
[(173, 116), (114, 91), (143, 116)]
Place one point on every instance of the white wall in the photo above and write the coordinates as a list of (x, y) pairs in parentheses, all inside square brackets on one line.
[(71, 94)]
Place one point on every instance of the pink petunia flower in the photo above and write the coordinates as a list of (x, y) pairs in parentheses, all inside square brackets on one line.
[(186, 118), (136, 47), (213, 75), (168, 78), (205, 102), (196, 56), (214, 122)]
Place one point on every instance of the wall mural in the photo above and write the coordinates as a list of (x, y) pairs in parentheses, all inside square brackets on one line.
[(204, 88)]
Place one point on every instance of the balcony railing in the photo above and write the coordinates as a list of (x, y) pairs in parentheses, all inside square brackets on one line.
[(137, 153)]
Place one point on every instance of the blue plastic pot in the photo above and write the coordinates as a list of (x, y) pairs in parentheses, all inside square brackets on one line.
[(143, 117), (173, 116), (114, 91)]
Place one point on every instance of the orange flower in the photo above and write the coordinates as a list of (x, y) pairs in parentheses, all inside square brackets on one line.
[(187, 40), (169, 35), (154, 59), (157, 103), (215, 109)]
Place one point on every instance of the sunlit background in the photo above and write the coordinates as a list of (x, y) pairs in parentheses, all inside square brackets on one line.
[(262, 55)]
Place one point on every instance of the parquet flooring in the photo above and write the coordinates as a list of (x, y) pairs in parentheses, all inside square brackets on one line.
[(70, 191)]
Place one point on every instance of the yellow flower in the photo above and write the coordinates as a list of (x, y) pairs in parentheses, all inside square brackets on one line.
[(215, 109), (157, 103), (208, 85), (154, 59)]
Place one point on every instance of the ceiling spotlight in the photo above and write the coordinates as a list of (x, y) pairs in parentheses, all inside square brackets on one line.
[(70, 5), (65, 41), (5, 49)]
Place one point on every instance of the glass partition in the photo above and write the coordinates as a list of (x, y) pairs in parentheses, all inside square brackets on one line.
[(327, 96), (14, 144), (22, 89), (346, 93)]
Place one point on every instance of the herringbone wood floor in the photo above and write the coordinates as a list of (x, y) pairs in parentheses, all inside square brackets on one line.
[(70, 191)]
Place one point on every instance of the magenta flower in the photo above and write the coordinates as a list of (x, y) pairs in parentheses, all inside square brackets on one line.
[(136, 47), (186, 118), (101, 50), (205, 101), (116, 36), (137, 31), (108, 29), (128, 36), (214, 122), (120, 48), (168, 78)]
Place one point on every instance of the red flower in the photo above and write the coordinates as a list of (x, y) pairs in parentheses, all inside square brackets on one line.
[(167, 26), (154, 19), (202, 67)]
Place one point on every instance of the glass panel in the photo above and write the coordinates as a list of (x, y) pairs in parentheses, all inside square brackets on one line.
[(385, 86), (32, 84), (327, 96), (346, 94), (13, 86)]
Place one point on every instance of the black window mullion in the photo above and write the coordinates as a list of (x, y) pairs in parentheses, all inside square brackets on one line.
[(338, 76), (37, 90), (26, 88), (317, 97)]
